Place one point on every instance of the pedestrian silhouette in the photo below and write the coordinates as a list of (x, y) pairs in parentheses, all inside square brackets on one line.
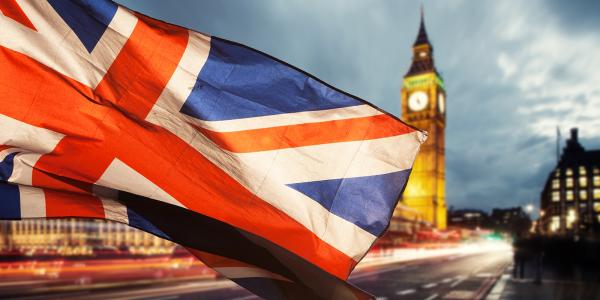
[(520, 255)]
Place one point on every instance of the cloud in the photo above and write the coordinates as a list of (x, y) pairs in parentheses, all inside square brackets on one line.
[(558, 76), (576, 15), (507, 66)]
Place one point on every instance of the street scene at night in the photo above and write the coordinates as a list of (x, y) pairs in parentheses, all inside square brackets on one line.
[(403, 273), (299, 150)]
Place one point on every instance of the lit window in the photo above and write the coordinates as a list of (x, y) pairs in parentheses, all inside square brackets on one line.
[(571, 218), (583, 195), (596, 180), (582, 170), (597, 207), (596, 170), (555, 223), (569, 172), (596, 193), (569, 182), (555, 196), (569, 195), (598, 218), (557, 173), (582, 181), (556, 184)]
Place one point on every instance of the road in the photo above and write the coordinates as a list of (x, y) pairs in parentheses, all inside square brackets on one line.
[(453, 277), (463, 276)]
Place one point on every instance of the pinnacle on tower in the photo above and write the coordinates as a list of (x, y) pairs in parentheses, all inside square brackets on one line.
[(422, 52), (422, 36)]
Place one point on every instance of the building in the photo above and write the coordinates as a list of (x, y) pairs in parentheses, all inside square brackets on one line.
[(570, 200), (423, 106), (77, 237), (510, 220), (467, 218)]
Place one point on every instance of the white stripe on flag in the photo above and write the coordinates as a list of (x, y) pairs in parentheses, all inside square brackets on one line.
[(33, 202), (119, 176), (332, 161), (27, 137), (304, 117), (114, 210), (32, 142), (184, 77), (23, 168)]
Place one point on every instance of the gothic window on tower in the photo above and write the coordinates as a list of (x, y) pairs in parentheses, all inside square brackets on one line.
[(569, 172), (555, 184), (582, 171)]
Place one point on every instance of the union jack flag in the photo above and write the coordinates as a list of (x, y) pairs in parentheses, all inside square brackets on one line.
[(275, 179)]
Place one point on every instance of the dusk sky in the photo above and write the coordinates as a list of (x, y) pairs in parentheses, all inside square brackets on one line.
[(514, 70)]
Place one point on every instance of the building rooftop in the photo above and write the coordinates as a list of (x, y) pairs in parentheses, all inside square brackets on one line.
[(575, 154)]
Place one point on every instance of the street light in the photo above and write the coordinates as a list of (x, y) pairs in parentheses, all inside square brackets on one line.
[(529, 208)]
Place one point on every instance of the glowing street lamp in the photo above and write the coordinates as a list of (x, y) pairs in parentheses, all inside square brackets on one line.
[(529, 208)]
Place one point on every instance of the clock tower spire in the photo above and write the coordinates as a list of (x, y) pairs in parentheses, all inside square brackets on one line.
[(422, 52), (423, 105)]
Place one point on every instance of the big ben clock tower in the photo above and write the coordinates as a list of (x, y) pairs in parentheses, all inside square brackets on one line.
[(424, 106)]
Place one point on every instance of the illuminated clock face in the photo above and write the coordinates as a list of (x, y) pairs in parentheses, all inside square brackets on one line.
[(442, 103), (417, 101)]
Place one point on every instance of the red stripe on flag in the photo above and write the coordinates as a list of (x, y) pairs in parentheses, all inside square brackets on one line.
[(3, 147), (142, 69), (11, 9), (347, 130), (60, 204)]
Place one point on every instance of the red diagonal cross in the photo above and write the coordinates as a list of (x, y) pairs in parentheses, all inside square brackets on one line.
[(109, 122)]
